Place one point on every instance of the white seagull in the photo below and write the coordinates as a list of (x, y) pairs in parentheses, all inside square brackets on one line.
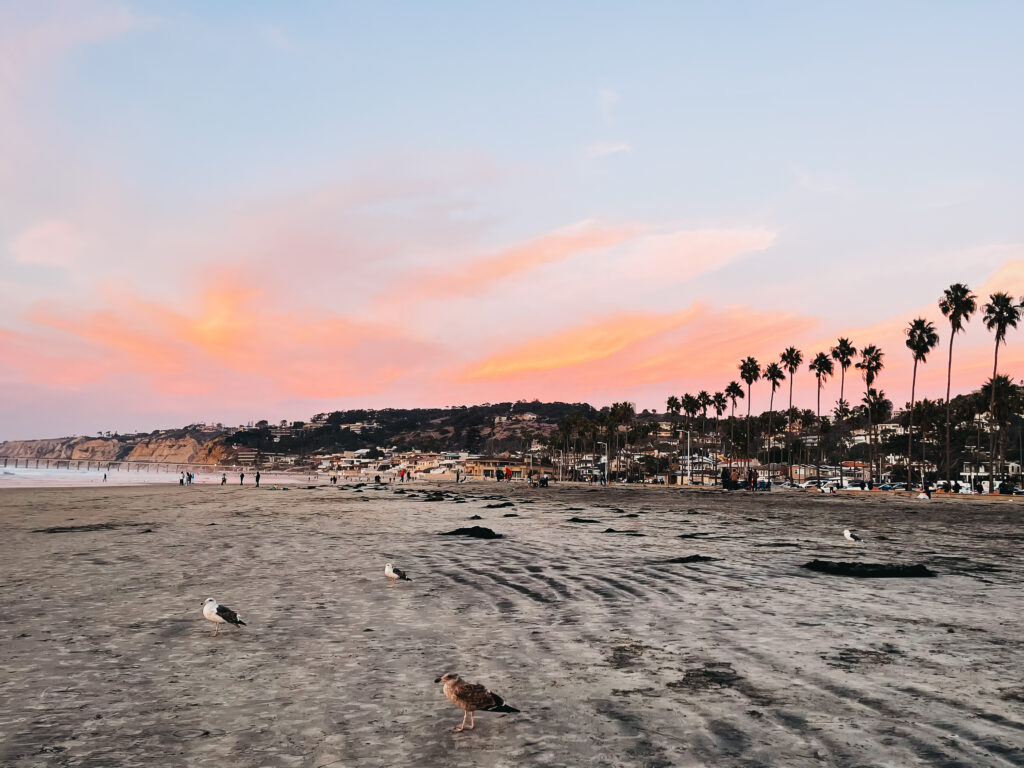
[(395, 574), (850, 535), (220, 614)]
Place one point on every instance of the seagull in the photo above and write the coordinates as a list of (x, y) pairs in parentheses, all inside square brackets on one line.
[(850, 535), (395, 574), (471, 697), (220, 614)]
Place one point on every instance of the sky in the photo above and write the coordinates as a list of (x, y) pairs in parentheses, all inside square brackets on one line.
[(225, 212)]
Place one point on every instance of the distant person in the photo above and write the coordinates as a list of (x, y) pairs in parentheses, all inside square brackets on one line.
[(257, 478), (734, 480), (223, 478), (508, 475), (241, 478), (956, 487), (104, 477), (725, 478)]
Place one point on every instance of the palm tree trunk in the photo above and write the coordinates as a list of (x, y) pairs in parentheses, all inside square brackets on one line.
[(871, 439), (789, 428), (817, 467), (747, 457), (991, 425), (910, 427), (771, 423), (949, 384)]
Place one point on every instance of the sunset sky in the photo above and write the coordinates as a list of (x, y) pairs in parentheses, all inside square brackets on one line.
[(235, 211)]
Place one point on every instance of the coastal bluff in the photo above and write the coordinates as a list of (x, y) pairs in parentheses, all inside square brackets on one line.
[(176, 449)]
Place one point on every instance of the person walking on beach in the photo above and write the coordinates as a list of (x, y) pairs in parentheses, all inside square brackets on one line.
[(257, 478), (223, 478), (241, 478), (104, 477), (508, 475), (725, 478)]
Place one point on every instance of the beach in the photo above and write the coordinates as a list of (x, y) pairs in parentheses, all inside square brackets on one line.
[(687, 635)]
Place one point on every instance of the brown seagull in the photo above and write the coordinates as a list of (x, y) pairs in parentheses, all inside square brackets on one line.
[(471, 697)]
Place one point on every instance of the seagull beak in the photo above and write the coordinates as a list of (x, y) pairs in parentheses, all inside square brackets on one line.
[(438, 680)]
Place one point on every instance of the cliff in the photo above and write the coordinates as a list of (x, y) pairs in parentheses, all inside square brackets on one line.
[(178, 448)]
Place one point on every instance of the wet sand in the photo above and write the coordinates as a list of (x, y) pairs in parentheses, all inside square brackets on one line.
[(615, 656)]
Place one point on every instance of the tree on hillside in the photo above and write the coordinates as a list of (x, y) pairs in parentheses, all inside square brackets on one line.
[(957, 304), (674, 406), (921, 340), (1005, 399)]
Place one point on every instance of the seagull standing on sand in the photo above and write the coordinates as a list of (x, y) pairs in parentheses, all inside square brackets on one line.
[(395, 574), (220, 614), (850, 535), (470, 697)]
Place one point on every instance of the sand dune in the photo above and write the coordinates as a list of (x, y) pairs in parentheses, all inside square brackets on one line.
[(616, 655)]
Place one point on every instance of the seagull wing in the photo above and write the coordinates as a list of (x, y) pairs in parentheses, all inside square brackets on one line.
[(477, 697), (229, 616), (400, 574)]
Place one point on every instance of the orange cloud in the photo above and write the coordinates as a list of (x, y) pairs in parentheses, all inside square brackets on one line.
[(576, 346), (472, 275), (233, 330)]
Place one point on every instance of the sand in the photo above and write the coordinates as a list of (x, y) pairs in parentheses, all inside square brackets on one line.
[(615, 656)]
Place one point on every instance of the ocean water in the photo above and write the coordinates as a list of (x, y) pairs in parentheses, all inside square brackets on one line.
[(69, 478)]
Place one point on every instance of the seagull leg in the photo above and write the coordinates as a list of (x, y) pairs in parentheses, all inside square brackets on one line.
[(216, 629), (471, 715), (463, 726)]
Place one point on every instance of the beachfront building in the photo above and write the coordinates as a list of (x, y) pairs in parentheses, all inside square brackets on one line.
[(487, 467)]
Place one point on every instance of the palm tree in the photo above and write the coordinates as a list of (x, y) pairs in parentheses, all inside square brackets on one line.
[(734, 391), (870, 365), (791, 359), (1000, 314), (704, 401), (821, 366), (957, 304), (921, 340), (774, 374), (750, 372), (673, 406), (843, 353), (1007, 398), (719, 403)]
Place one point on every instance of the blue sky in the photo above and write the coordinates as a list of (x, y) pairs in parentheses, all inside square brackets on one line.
[(852, 159)]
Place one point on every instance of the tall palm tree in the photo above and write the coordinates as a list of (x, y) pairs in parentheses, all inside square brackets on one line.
[(673, 406), (1000, 314), (870, 366), (704, 401), (821, 366), (750, 372), (774, 374), (843, 353), (791, 359), (719, 403), (921, 340), (734, 392), (957, 304)]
